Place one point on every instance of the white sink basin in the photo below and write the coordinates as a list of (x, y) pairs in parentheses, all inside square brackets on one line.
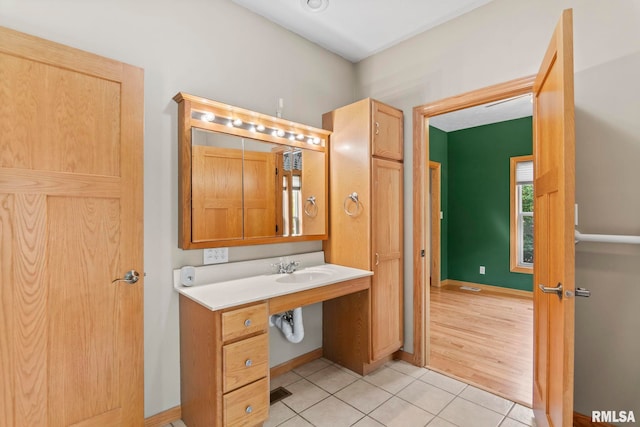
[(304, 277)]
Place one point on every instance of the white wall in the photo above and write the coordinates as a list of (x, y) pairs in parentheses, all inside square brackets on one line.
[(504, 40), (213, 49)]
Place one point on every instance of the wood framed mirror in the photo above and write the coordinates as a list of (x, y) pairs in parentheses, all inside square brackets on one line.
[(247, 178)]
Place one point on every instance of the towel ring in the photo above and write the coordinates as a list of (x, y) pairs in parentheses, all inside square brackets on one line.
[(347, 209), (310, 207)]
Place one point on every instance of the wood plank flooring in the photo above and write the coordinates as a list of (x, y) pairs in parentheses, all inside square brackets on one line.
[(484, 338)]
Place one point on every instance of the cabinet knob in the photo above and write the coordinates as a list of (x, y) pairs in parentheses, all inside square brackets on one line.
[(248, 363), (249, 409), (247, 323), (377, 128)]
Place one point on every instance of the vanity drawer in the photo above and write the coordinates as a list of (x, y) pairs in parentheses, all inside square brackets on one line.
[(247, 406), (244, 321), (244, 362)]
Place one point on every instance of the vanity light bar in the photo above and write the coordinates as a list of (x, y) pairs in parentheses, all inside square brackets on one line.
[(252, 127)]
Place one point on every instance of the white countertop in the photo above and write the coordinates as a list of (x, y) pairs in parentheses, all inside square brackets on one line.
[(250, 287)]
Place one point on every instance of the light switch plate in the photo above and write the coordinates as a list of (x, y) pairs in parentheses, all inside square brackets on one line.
[(215, 256), (482, 270)]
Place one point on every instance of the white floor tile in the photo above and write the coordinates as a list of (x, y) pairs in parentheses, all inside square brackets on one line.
[(439, 422), (430, 398), (303, 395), (278, 413), (332, 412), (311, 367), (331, 379), (296, 421), (467, 414), (389, 379), (368, 422), (363, 396), (508, 422), (341, 397), (395, 412), (486, 399), (522, 414), (284, 380), (443, 382), (406, 368)]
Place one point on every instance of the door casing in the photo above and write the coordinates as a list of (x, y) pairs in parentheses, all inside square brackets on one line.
[(421, 177)]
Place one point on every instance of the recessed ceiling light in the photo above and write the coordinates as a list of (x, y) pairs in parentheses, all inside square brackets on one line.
[(314, 5)]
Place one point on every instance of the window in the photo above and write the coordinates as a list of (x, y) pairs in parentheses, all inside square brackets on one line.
[(521, 207)]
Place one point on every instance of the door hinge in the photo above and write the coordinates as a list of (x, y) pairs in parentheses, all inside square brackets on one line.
[(422, 253)]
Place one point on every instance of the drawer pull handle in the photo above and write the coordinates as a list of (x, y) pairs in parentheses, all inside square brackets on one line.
[(247, 323), (248, 363), (249, 409)]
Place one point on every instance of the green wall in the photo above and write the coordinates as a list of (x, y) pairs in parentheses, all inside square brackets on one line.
[(477, 214), (438, 153)]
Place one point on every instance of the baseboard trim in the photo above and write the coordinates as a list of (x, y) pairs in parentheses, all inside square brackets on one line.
[(580, 420), (295, 362), (490, 288), (163, 418), (404, 356)]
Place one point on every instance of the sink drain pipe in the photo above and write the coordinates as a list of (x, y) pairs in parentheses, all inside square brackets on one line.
[(290, 324)]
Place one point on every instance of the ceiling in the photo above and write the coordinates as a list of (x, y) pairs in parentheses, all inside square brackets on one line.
[(357, 29), (493, 112)]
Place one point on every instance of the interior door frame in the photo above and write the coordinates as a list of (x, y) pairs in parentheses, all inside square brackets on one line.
[(421, 225), (435, 175)]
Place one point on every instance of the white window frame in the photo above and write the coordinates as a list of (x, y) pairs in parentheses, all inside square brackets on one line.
[(517, 218)]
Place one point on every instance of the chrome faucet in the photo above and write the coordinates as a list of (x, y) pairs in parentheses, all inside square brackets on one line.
[(287, 267)]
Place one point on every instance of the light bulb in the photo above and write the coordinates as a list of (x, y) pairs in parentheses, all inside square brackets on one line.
[(260, 128), (300, 136), (280, 133), (208, 117), (237, 122), (292, 137), (316, 140)]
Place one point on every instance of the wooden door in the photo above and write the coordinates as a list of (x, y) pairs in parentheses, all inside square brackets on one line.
[(314, 185), (71, 136), (554, 264), (259, 190), (387, 284), (216, 187), (386, 131)]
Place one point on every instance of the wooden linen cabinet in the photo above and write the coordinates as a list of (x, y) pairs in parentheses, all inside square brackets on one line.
[(366, 231)]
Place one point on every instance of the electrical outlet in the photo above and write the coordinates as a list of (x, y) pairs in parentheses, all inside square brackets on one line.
[(215, 256), (482, 269)]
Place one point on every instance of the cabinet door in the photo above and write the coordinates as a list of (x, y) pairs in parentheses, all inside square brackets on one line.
[(217, 193), (386, 131), (387, 286)]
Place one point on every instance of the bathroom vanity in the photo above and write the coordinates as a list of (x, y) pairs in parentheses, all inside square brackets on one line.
[(224, 329)]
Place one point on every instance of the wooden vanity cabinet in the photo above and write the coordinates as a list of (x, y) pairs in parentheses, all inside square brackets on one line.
[(224, 365), (366, 154)]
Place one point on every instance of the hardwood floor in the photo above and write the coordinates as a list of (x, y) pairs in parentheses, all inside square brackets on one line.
[(484, 338)]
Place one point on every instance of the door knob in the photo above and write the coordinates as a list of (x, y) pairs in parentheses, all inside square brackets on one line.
[(557, 290), (130, 277)]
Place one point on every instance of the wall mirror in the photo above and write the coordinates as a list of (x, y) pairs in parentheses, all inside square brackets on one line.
[(248, 178)]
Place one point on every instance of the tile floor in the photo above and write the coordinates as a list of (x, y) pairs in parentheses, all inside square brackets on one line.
[(398, 394)]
